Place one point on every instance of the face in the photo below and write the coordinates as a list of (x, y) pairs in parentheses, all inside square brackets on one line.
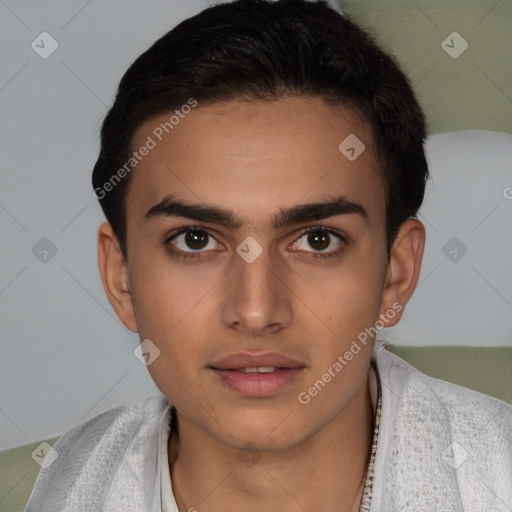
[(256, 256)]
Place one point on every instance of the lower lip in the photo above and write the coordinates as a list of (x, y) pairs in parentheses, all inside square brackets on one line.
[(258, 384)]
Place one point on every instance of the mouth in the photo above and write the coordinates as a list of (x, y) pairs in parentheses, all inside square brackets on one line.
[(256, 369), (257, 375)]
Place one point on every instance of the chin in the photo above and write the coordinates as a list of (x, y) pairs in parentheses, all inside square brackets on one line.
[(268, 432)]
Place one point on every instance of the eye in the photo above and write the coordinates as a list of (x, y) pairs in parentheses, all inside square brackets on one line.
[(324, 241), (190, 240)]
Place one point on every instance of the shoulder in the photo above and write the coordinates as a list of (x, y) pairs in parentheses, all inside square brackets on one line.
[(110, 444), (120, 423), (466, 407), (440, 444)]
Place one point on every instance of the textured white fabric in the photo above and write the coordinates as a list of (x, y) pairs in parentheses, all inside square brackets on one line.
[(440, 448), (168, 501)]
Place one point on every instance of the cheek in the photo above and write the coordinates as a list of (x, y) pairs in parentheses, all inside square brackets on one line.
[(171, 319), (177, 337), (172, 306), (342, 356), (351, 298), (179, 371), (167, 295)]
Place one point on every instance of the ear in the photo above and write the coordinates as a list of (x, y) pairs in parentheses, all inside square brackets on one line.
[(114, 276), (403, 270)]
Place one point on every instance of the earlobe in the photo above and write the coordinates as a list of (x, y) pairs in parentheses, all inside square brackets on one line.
[(114, 276), (403, 270)]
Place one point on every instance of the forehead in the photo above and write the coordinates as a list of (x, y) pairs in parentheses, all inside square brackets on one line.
[(256, 157)]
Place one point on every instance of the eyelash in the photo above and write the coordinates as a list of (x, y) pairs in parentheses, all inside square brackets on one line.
[(184, 255)]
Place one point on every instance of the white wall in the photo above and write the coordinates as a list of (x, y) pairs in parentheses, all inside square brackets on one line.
[(464, 295), (66, 357)]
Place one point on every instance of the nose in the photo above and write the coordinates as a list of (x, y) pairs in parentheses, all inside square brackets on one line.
[(256, 301)]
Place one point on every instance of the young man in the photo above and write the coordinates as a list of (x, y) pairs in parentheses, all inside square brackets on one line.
[(260, 172)]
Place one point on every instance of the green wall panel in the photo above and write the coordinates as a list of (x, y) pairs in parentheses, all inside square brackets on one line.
[(470, 92)]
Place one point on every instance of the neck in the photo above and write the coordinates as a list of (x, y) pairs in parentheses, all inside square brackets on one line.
[(325, 472)]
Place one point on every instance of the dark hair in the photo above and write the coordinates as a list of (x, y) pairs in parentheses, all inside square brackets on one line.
[(264, 50)]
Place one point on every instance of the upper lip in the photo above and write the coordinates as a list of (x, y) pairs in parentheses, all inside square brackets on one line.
[(248, 360)]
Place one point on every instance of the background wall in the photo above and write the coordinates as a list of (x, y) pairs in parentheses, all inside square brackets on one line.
[(470, 92), (458, 56), (66, 357)]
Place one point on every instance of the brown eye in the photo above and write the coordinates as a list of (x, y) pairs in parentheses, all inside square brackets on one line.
[(196, 239), (193, 240), (319, 240)]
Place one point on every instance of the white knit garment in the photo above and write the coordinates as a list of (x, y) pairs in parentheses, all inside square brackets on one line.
[(441, 448)]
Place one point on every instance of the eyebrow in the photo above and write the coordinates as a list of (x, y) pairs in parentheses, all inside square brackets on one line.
[(171, 207)]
